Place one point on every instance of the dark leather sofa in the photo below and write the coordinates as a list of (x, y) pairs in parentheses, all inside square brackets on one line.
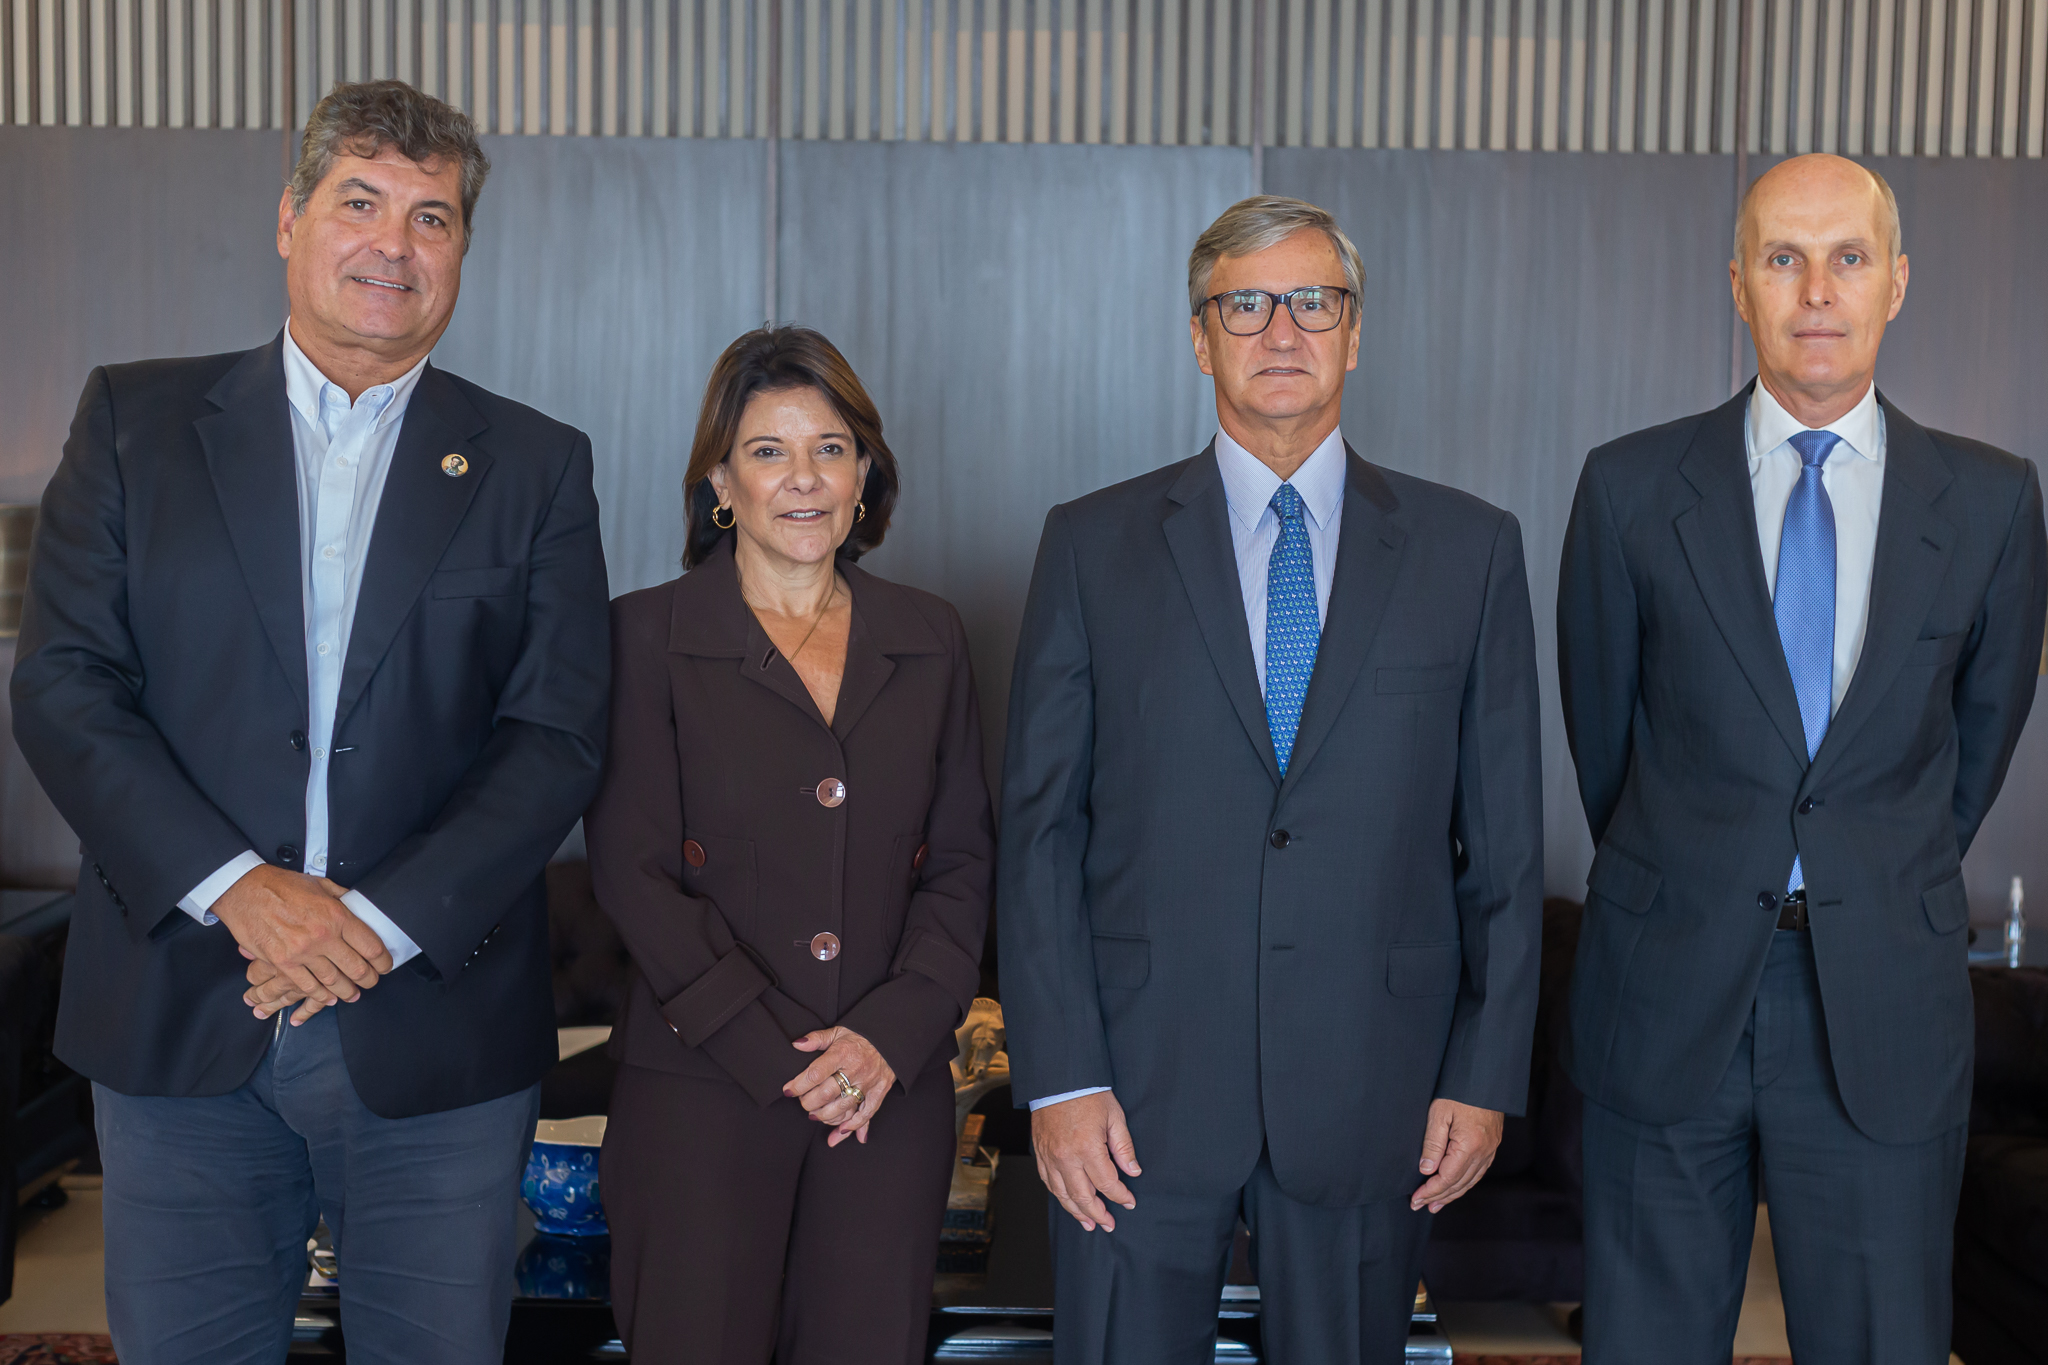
[(2001, 1265)]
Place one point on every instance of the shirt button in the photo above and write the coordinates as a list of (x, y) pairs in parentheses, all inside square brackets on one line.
[(322, 649), (329, 553), (825, 947), (831, 792), (319, 753), (341, 460)]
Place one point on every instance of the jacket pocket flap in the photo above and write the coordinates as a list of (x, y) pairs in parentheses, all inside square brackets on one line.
[(495, 582), (944, 961), (1934, 652), (1122, 963), (1947, 905), (1617, 877), (1435, 678), (708, 1004), (1417, 969)]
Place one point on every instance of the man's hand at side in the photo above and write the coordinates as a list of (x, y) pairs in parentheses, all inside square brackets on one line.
[(1457, 1148), (1081, 1144), (299, 926)]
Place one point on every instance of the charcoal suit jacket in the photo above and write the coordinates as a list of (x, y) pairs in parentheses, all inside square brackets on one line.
[(1299, 965), (1692, 765), (161, 698)]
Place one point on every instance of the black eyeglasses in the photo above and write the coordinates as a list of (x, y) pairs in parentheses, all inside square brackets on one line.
[(1248, 312)]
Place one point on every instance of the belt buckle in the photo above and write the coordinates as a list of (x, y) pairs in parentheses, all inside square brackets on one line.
[(1792, 911)]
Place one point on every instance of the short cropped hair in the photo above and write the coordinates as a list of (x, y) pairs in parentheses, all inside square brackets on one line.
[(1266, 220), (1891, 208), (770, 360), (364, 117)]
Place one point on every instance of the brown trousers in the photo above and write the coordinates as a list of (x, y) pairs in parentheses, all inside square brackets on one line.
[(738, 1238)]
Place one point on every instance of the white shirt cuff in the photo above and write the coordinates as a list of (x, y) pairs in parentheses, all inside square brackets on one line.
[(402, 949), (1037, 1105), (198, 902)]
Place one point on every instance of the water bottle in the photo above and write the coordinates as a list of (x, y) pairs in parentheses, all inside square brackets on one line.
[(2016, 925)]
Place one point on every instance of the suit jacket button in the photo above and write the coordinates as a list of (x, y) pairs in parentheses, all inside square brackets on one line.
[(831, 792), (825, 947), (1280, 838), (288, 854), (1766, 901), (298, 739), (693, 853), (917, 860), (1806, 806)]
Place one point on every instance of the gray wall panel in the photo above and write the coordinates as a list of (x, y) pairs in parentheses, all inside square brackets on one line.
[(1520, 310), (606, 277), (1019, 315)]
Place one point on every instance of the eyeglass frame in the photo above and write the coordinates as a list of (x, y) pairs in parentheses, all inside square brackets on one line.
[(1279, 300)]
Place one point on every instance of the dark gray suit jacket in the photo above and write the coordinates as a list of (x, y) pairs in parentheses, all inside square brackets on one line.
[(1304, 964), (161, 698), (1692, 765)]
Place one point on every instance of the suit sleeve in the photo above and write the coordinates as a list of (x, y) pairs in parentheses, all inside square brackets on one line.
[(77, 688), (2001, 660), (938, 965), (1599, 650), (714, 993), (1497, 821), (448, 885), (1051, 1007)]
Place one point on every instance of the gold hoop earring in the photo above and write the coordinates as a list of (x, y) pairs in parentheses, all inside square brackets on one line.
[(860, 511), (731, 517)]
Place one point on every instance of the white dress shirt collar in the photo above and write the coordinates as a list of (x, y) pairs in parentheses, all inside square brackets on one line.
[(307, 389), (1249, 483), (1770, 426)]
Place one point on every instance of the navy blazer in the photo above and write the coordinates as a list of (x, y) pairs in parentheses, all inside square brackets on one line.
[(1693, 770), (162, 678), (1299, 965)]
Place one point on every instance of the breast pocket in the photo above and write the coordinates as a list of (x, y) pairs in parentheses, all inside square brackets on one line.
[(722, 871), (1432, 678), (498, 581), (1936, 650)]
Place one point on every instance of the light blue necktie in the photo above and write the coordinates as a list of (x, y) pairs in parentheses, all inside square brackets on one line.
[(1805, 602), (1293, 630)]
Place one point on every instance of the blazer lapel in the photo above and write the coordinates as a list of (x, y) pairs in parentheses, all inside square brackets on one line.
[(1368, 559), (1914, 544), (250, 456), (711, 620), (416, 519), (1719, 536), (885, 625), (1198, 533)]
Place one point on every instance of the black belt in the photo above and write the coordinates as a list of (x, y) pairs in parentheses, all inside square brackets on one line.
[(1792, 911)]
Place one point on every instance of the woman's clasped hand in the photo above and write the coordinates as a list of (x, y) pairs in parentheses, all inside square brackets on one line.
[(849, 1107)]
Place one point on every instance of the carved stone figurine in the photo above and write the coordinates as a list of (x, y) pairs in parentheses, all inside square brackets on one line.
[(982, 1065)]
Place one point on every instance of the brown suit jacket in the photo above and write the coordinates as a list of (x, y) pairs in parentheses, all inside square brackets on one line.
[(711, 850)]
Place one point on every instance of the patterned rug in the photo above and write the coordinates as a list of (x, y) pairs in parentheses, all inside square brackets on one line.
[(69, 1349)]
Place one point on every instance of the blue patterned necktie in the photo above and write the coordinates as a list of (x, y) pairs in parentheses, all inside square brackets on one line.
[(1293, 630), (1805, 601)]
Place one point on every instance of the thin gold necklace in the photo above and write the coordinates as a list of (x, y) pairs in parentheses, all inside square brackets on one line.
[(816, 621)]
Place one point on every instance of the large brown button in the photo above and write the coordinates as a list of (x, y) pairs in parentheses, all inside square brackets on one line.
[(831, 792), (917, 862), (825, 947), (693, 853)]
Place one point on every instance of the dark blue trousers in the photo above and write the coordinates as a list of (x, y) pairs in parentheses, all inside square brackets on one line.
[(1862, 1229), (209, 1201)]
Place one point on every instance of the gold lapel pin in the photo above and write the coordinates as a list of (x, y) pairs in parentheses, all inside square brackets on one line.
[(454, 466)]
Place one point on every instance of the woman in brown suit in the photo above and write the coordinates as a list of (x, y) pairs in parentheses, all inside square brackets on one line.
[(794, 839)]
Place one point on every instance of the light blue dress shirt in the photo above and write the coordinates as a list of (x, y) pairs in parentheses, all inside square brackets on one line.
[(343, 452), (1248, 487)]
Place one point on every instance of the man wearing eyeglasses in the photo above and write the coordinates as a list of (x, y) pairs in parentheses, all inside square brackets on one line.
[(1272, 847)]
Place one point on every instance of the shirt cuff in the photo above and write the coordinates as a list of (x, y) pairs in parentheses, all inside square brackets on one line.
[(402, 949), (1037, 1105), (198, 902)]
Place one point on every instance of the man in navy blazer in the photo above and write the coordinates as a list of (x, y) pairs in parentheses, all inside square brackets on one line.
[(1797, 636), (1271, 872), (314, 660)]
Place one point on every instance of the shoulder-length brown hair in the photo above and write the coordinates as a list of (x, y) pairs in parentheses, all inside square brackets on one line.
[(764, 361)]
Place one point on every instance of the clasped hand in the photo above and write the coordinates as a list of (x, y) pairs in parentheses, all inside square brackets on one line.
[(818, 1091), (304, 946)]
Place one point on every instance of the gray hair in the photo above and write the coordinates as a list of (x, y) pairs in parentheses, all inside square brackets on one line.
[(1891, 209), (1266, 220), (365, 117)]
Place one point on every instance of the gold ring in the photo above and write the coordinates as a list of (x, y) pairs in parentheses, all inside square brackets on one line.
[(846, 1086)]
